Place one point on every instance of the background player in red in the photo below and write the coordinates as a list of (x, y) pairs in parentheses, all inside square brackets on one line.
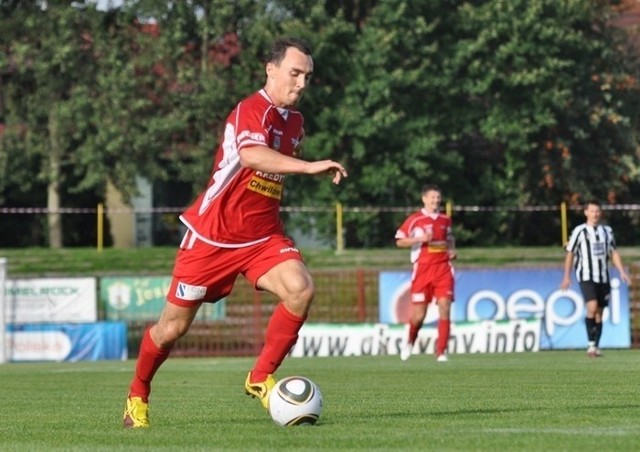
[(429, 234), (234, 228)]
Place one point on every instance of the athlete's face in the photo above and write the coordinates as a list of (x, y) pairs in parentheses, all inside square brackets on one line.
[(431, 200), (593, 213), (287, 81)]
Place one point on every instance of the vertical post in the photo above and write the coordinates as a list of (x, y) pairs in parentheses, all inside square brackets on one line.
[(339, 234), (362, 298), (563, 222), (3, 323), (100, 227), (448, 208)]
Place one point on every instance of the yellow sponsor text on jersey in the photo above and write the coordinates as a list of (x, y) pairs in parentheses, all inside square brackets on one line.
[(266, 187), (437, 247)]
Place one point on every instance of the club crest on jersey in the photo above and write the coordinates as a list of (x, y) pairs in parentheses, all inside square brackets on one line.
[(190, 293)]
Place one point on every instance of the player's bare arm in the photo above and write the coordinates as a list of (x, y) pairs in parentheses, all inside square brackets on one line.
[(262, 158), (566, 279), (410, 241), (617, 262)]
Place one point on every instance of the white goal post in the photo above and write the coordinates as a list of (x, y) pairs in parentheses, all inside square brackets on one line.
[(3, 310)]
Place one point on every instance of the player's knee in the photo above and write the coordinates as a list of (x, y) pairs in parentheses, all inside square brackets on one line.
[(169, 332), (300, 288), (299, 297), (302, 297)]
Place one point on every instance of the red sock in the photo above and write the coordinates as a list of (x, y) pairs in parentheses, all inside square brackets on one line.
[(281, 335), (150, 359), (444, 327), (413, 332)]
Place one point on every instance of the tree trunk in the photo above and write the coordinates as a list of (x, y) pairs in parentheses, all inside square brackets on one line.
[(204, 45), (54, 218)]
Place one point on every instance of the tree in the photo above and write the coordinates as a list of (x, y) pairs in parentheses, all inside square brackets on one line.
[(500, 103), (554, 102), (383, 111), (46, 62)]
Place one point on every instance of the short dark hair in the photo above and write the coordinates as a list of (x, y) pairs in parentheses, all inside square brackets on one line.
[(280, 46), (592, 202), (430, 187)]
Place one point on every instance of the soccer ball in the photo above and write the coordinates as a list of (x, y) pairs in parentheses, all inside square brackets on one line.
[(295, 401)]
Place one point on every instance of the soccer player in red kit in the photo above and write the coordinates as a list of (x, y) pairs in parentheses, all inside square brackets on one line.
[(234, 228), (429, 234)]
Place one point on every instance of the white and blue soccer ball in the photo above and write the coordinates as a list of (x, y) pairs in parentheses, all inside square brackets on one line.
[(295, 401)]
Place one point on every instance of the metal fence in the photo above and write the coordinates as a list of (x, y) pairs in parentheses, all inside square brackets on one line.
[(342, 296), (540, 225)]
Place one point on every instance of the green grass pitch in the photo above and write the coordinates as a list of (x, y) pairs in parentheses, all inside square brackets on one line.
[(551, 400)]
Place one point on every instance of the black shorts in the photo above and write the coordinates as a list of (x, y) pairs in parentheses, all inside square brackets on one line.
[(596, 291)]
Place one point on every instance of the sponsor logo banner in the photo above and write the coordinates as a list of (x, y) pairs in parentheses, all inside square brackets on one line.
[(50, 300), (67, 342), (143, 298), (379, 339), (517, 294), (190, 293)]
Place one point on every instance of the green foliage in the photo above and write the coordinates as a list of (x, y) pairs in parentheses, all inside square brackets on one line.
[(537, 69), (501, 103), (46, 61), (482, 98)]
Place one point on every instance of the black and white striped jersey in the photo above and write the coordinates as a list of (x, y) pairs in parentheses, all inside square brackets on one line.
[(591, 247)]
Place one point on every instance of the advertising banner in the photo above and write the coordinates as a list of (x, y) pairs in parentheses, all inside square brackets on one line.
[(320, 339), (67, 342), (129, 298), (517, 294), (51, 300)]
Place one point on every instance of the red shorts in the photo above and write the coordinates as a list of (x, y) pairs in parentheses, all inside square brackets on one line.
[(207, 273), (431, 281)]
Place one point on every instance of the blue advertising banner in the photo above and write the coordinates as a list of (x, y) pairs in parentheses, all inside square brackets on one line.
[(67, 342), (514, 294)]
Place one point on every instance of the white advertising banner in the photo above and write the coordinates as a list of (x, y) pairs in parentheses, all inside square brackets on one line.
[(51, 300), (325, 339)]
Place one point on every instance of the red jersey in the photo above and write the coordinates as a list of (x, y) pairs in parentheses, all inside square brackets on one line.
[(241, 206), (437, 249)]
